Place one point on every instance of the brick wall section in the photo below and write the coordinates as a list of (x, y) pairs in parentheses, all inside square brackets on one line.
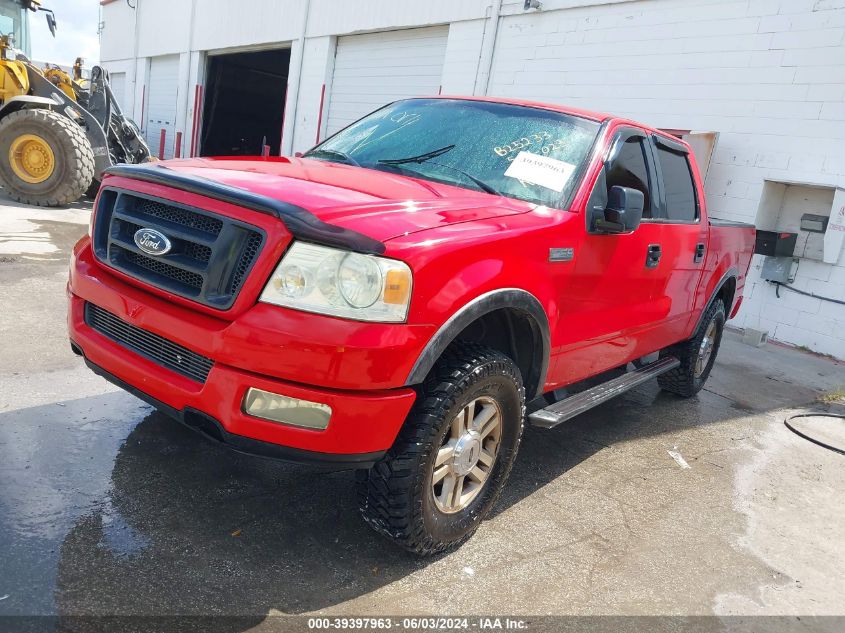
[(768, 75)]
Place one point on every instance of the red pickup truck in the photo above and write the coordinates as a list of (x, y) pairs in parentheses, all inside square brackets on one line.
[(406, 295)]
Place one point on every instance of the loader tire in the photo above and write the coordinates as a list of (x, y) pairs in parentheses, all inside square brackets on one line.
[(45, 158), (463, 432), (697, 355)]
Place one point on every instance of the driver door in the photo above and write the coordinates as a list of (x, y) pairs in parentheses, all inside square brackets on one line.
[(615, 302)]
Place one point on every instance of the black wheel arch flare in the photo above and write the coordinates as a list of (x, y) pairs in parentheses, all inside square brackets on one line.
[(505, 298), (730, 273)]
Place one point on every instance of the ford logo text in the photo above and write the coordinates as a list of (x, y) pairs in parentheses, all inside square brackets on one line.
[(152, 242)]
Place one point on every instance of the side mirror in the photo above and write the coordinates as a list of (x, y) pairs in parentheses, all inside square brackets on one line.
[(624, 209), (51, 22)]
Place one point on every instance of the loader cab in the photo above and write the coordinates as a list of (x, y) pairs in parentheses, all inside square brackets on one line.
[(14, 21)]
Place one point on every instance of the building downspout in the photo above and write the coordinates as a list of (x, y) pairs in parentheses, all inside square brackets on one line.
[(488, 46), (292, 96), (135, 48), (185, 98)]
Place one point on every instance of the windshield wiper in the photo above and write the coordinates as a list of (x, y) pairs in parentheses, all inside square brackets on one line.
[(413, 172), (346, 158), (481, 184), (421, 158)]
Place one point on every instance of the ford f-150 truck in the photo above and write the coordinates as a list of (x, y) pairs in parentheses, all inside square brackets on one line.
[(405, 296)]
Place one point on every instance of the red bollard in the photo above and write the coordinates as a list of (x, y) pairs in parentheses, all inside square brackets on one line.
[(161, 144), (320, 112), (178, 149)]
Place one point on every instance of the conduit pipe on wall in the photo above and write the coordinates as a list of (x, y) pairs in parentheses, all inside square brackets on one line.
[(294, 78), (488, 46)]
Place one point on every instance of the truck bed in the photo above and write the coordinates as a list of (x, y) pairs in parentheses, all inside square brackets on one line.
[(721, 222)]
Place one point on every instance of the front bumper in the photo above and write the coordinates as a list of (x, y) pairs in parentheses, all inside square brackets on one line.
[(213, 430), (364, 423)]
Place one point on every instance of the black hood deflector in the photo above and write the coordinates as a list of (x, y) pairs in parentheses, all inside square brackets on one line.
[(300, 222)]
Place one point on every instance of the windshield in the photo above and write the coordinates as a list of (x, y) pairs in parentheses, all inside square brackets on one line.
[(520, 152), (13, 18)]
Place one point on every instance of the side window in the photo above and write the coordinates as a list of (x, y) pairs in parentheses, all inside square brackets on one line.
[(680, 189), (630, 169)]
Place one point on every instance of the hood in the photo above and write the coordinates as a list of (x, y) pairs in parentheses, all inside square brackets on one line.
[(378, 204)]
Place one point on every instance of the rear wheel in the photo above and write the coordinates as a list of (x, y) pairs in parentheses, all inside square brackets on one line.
[(453, 455), (697, 355), (45, 158)]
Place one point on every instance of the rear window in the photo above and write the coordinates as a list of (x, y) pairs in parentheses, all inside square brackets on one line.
[(677, 181)]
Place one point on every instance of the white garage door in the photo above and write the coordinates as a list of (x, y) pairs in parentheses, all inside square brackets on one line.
[(373, 69), (117, 81), (162, 96)]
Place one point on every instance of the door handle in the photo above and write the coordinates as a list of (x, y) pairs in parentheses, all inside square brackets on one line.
[(653, 256), (699, 253)]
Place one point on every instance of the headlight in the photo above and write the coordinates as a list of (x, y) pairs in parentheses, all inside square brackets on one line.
[(336, 282)]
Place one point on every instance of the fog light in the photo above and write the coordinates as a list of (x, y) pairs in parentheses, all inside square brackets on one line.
[(285, 410)]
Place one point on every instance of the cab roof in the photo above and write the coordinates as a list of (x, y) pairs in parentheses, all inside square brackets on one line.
[(563, 109)]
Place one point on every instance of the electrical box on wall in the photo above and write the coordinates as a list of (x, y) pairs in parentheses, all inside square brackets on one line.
[(780, 269), (775, 243), (814, 223), (799, 208)]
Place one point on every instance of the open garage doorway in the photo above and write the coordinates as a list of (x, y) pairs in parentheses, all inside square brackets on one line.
[(244, 103)]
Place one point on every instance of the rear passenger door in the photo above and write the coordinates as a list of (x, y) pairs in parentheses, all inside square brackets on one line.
[(685, 239)]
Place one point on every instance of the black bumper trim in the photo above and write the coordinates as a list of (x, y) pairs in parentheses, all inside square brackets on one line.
[(212, 430)]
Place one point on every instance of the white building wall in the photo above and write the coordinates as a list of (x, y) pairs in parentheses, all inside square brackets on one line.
[(163, 27), (335, 17), (223, 24), (117, 33), (768, 75)]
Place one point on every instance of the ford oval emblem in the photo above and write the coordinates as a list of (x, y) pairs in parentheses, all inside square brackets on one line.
[(152, 242)]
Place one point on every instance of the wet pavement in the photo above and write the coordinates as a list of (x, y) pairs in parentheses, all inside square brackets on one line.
[(107, 507)]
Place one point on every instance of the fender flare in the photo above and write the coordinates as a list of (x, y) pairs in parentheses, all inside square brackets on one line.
[(513, 298), (23, 101), (730, 273)]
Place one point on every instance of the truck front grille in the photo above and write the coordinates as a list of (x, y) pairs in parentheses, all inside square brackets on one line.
[(151, 346), (210, 256)]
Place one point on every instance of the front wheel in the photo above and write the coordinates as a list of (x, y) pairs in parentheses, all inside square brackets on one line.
[(697, 355), (453, 454), (45, 158)]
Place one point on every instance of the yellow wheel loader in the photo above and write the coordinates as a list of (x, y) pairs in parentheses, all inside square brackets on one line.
[(58, 132)]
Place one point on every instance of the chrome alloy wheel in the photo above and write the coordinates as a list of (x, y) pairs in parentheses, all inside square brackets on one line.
[(705, 351), (467, 456)]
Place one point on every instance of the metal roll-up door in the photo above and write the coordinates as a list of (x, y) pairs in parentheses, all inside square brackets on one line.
[(375, 68)]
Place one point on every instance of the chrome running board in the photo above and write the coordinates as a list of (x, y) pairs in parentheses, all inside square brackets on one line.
[(585, 400)]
